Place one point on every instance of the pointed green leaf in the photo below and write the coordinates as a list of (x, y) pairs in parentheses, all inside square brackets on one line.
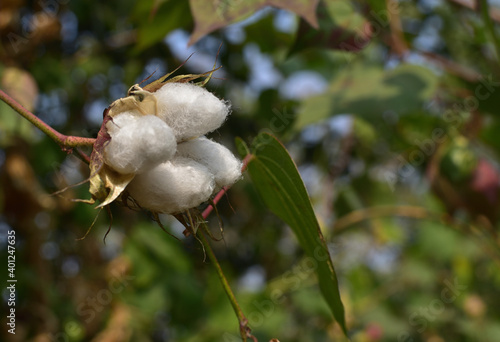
[(278, 181)]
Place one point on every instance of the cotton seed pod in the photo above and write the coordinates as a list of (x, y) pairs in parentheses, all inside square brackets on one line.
[(190, 110), (174, 186), (138, 143), (225, 167)]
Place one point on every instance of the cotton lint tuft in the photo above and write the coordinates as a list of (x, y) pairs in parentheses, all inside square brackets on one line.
[(173, 186), (221, 162), (138, 143), (190, 110)]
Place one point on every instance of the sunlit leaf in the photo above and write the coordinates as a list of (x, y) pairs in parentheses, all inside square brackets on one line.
[(278, 181), (212, 15), (22, 87)]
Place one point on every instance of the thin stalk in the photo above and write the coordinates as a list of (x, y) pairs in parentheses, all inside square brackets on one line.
[(66, 141), (490, 25), (244, 329)]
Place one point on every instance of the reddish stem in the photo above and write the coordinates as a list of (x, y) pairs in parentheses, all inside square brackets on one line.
[(65, 141)]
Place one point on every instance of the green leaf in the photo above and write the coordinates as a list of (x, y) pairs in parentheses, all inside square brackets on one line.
[(278, 181), (489, 134), (340, 28), (212, 15), (370, 91), (157, 18), (378, 7)]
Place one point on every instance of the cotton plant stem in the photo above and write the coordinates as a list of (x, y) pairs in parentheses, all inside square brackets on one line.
[(244, 329), (67, 142)]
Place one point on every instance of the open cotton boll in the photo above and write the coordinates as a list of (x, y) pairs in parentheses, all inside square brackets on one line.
[(190, 110), (217, 158), (173, 186), (138, 143)]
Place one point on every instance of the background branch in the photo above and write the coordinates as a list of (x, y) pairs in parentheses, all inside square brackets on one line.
[(493, 13)]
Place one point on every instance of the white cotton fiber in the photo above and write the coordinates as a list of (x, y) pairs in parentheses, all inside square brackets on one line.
[(190, 110), (138, 143), (173, 186), (225, 167), (121, 120)]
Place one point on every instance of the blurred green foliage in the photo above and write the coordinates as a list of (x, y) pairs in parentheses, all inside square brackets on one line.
[(388, 108)]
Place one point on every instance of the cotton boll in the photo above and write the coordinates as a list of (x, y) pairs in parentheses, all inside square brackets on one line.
[(173, 186), (121, 120), (190, 110), (138, 143), (217, 158)]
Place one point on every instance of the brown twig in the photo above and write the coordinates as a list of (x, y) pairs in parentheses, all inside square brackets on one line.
[(454, 68), (358, 216), (399, 45)]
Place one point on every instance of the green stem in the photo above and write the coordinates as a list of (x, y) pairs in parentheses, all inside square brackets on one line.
[(65, 141), (484, 7), (244, 329)]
